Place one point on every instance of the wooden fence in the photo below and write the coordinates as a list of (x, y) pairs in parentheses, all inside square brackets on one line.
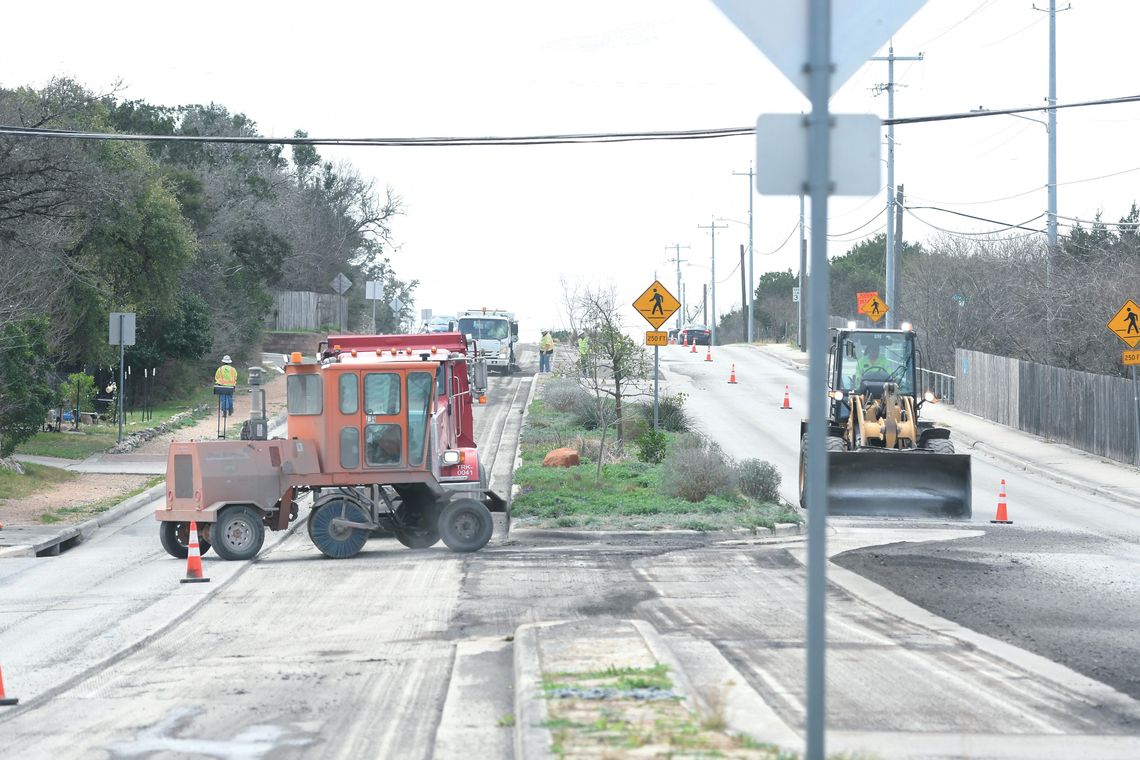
[(1094, 413), (304, 310)]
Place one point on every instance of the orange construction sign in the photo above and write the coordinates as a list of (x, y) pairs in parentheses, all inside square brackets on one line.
[(1124, 324), (861, 299), (656, 338), (656, 304), (875, 307)]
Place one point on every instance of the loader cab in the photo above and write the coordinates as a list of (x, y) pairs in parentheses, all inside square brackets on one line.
[(862, 361)]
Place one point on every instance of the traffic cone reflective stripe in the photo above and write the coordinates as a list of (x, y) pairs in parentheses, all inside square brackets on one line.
[(1002, 516), (5, 700), (732, 375), (708, 356), (194, 558), (787, 400)]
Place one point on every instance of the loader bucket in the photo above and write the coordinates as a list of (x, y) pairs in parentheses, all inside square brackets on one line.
[(898, 483)]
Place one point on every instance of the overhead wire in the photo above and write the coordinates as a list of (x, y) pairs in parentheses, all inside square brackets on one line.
[(520, 140), (1004, 225)]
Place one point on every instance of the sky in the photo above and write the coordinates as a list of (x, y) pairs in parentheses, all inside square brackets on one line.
[(505, 227)]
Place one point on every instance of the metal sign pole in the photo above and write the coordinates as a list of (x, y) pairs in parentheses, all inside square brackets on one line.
[(819, 72), (656, 360), (122, 385), (1136, 407)]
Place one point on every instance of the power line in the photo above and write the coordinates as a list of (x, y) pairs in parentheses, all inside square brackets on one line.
[(1005, 225), (861, 226), (553, 139)]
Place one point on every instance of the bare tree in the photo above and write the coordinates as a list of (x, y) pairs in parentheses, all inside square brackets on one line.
[(615, 368)]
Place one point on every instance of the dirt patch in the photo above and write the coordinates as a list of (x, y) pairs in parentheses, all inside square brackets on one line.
[(70, 502)]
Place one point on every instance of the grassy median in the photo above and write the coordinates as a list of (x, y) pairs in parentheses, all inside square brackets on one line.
[(675, 481)]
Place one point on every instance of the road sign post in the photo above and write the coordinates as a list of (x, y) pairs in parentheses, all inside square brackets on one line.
[(1125, 324), (797, 38), (656, 305), (121, 333)]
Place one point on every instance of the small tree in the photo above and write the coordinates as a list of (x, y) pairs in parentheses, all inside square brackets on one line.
[(25, 382), (614, 367)]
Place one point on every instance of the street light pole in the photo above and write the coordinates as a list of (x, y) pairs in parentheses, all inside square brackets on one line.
[(712, 226), (750, 319)]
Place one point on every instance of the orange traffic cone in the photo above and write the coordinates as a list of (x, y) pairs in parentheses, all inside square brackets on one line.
[(194, 558), (787, 400), (483, 398), (732, 375), (708, 356), (4, 699), (1002, 516), (694, 349)]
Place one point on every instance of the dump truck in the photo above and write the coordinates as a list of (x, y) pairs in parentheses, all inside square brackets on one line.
[(494, 332), (882, 460), (380, 433)]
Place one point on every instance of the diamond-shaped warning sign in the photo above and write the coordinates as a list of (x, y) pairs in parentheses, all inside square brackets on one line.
[(656, 304), (875, 307), (1124, 324)]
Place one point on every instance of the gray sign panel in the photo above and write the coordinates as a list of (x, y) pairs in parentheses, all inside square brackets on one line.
[(122, 324)]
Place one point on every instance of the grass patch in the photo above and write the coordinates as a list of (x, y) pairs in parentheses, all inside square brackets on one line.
[(94, 439), (506, 721), (36, 477), (628, 495)]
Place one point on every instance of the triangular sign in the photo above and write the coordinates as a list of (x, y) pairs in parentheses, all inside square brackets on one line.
[(779, 29)]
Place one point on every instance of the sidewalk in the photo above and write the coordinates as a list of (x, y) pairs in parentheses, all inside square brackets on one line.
[(1057, 461)]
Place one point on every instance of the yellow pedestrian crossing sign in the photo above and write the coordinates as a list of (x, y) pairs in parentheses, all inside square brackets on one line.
[(1125, 323), (656, 304), (875, 307)]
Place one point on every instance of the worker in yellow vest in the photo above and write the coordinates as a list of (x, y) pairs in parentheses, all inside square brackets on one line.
[(226, 375)]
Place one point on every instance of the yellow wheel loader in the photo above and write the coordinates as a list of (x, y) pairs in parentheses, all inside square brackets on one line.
[(881, 459)]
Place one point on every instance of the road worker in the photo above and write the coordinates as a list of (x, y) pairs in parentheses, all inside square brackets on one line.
[(545, 351), (226, 375)]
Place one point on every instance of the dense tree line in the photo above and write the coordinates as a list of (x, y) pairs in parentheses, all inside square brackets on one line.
[(1003, 295), (192, 237)]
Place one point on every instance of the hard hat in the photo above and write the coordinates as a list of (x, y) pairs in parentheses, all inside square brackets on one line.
[(227, 360)]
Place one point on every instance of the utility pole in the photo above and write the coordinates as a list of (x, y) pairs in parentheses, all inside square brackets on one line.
[(680, 294), (744, 300), (712, 226), (1051, 222), (891, 267), (803, 274), (897, 306), (750, 319), (705, 303)]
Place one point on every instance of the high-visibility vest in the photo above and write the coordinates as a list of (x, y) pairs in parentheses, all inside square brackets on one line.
[(546, 343), (226, 375)]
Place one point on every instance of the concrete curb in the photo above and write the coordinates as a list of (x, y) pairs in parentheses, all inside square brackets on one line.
[(532, 737), (515, 488)]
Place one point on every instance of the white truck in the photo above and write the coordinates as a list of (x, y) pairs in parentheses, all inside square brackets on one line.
[(495, 333)]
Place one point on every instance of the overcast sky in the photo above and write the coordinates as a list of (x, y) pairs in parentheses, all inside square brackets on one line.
[(500, 226)]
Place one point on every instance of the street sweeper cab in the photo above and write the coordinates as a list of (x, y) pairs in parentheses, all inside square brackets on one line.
[(380, 432)]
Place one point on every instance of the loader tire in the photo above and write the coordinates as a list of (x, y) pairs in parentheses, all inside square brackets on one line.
[(940, 446)]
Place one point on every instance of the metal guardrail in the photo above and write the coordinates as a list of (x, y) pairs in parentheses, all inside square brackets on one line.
[(939, 382)]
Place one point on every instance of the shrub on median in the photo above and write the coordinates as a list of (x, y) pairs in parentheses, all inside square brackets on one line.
[(696, 468), (759, 480)]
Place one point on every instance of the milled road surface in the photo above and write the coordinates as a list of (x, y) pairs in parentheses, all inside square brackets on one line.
[(1058, 594)]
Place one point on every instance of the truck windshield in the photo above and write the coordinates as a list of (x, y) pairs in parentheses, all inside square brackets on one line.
[(485, 329)]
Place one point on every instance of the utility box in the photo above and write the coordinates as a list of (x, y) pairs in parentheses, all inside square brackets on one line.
[(257, 427)]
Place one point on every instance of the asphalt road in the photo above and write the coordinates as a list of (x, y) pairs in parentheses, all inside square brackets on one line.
[(400, 653)]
